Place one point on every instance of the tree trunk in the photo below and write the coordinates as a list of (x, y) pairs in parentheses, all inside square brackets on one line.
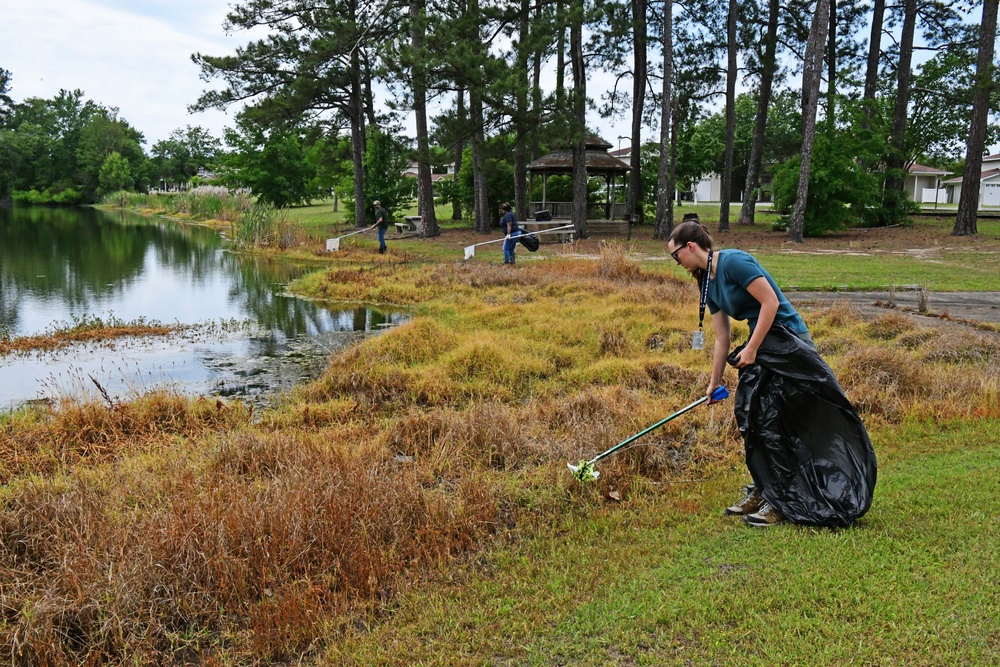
[(727, 170), (635, 193), (831, 72), (536, 90), (425, 186), (481, 207), (893, 199), (874, 52), (968, 203), (521, 117), (358, 141), (579, 122), (768, 66), (369, 100), (480, 195), (456, 203), (664, 176), (561, 55), (811, 75)]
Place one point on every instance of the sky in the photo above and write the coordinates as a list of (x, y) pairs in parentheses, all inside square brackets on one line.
[(131, 54), (136, 55)]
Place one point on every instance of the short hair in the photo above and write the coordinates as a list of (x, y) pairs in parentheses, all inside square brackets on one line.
[(505, 206)]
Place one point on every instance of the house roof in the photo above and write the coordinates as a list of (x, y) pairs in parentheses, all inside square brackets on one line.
[(561, 161), (989, 174), (923, 169)]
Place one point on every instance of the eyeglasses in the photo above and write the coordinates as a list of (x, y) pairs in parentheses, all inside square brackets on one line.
[(675, 252)]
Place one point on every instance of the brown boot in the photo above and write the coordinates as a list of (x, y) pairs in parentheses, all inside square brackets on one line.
[(749, 504), (767, 515)]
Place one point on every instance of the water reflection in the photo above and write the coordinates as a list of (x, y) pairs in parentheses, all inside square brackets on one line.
[(58, 265)]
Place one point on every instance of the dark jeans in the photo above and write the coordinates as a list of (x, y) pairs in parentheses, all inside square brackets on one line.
[(381, 239), (509, 245)]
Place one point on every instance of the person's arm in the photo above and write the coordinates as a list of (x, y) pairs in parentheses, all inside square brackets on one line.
[(761, 290), (723, 336)]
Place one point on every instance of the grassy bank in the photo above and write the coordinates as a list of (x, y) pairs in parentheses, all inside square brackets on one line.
[(412, 504), (668, 581)]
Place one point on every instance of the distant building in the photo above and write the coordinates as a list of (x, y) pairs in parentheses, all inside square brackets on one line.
[(923, 184), (437, 172), (989, 184)]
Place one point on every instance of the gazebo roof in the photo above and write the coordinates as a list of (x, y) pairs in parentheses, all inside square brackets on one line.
[(599, 161)]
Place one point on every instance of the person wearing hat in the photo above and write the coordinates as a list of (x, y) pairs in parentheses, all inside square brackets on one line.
[(382, 222)]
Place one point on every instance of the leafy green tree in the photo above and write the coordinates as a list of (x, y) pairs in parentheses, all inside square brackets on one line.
[(103, 134), (179, 157), (270, 162), (841, 192), (385, 161), (115, 174), (316, 62), (498, 173), (5, 100)]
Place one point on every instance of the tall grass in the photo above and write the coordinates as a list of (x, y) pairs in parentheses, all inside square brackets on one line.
[(263, 226), (164, 530), (205, 202)]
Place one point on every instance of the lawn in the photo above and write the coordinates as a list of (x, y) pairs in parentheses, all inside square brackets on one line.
[(669, 581), (412, 506)]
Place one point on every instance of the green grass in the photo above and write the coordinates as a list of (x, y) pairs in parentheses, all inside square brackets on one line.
[(321, 221), (952, 272), (669, 581)]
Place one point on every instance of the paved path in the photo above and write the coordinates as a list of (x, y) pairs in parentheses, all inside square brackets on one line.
[(977, 306)]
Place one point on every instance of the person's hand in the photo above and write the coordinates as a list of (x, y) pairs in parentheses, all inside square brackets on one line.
[(746, 357), (711, 388)]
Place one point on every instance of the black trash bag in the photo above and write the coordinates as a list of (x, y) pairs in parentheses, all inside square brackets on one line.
[(806, 447), (529, 241)]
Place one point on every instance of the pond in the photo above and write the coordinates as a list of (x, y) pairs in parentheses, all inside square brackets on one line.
[(241, 333)]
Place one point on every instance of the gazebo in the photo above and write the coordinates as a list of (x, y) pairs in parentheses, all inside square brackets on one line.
[(599, 163)]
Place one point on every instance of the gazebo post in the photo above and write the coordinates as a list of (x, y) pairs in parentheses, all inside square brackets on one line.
[(608, 180)]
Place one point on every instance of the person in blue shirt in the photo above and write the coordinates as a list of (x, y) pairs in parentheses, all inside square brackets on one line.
[(785, 399), (508, 225)]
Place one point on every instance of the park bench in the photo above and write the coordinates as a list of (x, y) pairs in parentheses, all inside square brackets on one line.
[(411, 224)]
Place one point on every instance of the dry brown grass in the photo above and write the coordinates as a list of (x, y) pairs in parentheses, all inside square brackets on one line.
[(48, 438), (263, 542), (163, 530), (65, 337)]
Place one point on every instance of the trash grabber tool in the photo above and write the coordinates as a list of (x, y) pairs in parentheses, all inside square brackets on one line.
[(470, 250), (584, 470), (333, 245)]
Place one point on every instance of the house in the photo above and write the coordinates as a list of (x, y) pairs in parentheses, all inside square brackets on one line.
[(437, 172), (923, 184), (989, 184)]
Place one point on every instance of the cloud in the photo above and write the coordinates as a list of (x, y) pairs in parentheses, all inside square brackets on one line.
[(133, 56)]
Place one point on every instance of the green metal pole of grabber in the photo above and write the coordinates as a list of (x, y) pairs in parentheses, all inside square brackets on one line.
[(584, 471)]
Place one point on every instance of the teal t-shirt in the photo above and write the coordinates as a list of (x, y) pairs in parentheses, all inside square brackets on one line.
[(727, 291)]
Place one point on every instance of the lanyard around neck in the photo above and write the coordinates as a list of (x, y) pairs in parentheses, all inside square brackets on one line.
[(704, 291)]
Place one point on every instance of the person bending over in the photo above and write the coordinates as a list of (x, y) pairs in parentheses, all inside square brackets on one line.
[(807, 450)]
